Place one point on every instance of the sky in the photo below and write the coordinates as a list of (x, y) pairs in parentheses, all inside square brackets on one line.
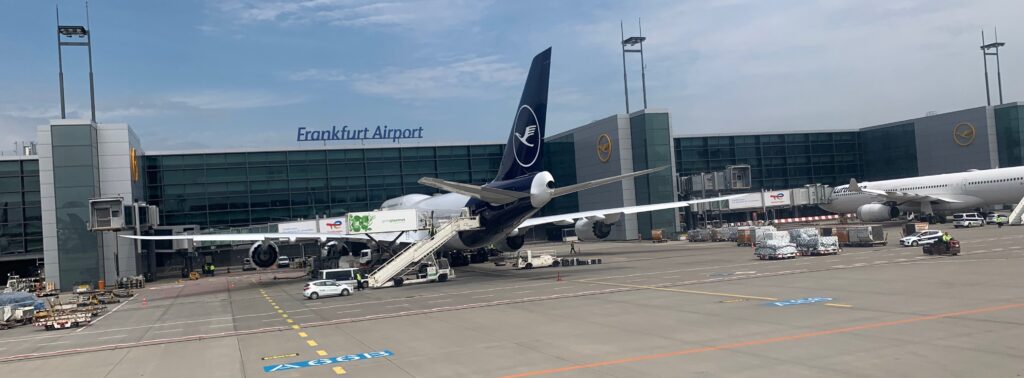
[(206, 74)]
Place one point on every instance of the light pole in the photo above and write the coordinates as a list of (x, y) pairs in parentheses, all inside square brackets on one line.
[(633, 41), (985, 47), (75, 31)]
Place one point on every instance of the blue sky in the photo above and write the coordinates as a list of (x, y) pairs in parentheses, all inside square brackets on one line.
[(196, 74)]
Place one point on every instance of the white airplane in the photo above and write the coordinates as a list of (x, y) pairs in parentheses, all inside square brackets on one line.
[(504, 206), (929, 195)]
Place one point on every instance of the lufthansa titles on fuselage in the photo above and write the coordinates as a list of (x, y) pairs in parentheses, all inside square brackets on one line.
[(344, 133)]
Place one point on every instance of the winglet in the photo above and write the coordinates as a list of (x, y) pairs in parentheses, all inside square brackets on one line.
[(854, 187)]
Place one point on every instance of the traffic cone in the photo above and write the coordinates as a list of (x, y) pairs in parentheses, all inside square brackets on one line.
[(144, 303)]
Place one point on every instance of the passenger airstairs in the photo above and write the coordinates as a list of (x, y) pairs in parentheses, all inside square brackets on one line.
[(1018, 211), (418, 251)]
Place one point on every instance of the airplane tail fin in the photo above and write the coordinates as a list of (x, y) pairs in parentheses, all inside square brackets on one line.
[(524, 152)]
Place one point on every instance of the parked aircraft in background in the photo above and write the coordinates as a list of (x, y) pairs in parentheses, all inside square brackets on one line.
[(929, 195)]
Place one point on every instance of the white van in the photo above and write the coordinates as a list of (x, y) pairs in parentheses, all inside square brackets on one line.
[(968, 220), (345, 276)]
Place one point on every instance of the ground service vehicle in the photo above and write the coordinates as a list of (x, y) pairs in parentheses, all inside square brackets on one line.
[(432, 270), (921, 238), (316, 289), (345, 276), (527, 260), (997, 218), (283, 262), (952, 248), (247, 264), (967, 220)]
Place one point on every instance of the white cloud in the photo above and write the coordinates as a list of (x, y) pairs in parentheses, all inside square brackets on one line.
[(461, 78), (315, 74), (232, 99), (784, 65), (413, 14)]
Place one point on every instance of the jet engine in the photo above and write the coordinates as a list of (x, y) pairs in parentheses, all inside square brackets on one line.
[(263, 254), (589, 230), (511, 243), (876, 212)]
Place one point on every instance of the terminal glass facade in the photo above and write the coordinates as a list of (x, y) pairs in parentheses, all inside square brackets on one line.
[(651, 138), (75, 182), (1010, 135), (560, 160), (776, 160), (21, 220), (245, 188), (888, 152)]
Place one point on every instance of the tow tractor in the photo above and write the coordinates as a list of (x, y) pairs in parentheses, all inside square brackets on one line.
[(528, 261), (429, 270), (938, 248)]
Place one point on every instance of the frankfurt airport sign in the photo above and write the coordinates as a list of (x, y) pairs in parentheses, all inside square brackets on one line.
[(344, 133)]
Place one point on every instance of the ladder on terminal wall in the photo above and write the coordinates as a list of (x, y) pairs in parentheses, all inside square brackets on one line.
[(1018, 211), (419, 250)]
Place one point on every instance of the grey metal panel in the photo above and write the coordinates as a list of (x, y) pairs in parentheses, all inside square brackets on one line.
[(51, 260), (114, 142), (937, 152)]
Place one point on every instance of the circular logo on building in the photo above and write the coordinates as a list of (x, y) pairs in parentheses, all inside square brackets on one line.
[(604, 148), (527, 136), (964, 133)]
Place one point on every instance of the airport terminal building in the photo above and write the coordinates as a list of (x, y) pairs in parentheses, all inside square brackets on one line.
[(44, 198)]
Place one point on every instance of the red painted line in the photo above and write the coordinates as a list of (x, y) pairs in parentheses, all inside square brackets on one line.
[(766, 341)]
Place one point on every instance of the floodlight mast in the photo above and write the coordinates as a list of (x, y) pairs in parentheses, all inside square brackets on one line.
[(985, 47), (73, 31), (632, 41)]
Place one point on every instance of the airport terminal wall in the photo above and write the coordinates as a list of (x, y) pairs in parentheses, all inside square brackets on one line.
[(21, 219), (1009, 121)]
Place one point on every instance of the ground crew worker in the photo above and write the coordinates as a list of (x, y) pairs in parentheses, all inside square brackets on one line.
[(359, 281), (213, 270), (946, 238), (572, 248)]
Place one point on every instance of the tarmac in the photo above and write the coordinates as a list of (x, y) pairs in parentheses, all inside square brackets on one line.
[(660, 310)]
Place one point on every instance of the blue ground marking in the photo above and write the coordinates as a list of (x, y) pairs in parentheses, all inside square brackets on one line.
[(800, 301), (326, 361)]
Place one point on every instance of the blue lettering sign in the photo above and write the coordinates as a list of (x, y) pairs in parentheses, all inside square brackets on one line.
[(326, 361), (344, 133), (800, 301)]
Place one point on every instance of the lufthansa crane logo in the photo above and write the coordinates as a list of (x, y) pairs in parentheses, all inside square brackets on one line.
[(526, 131), (604, 148), (964, 133)]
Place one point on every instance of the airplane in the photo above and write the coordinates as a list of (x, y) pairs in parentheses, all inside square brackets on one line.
[(504, 206), (881, 201)]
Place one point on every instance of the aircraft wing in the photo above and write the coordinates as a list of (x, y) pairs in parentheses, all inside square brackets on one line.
[(572, 217), (254, 237), (558, 192), (899, 197), (493, 196)]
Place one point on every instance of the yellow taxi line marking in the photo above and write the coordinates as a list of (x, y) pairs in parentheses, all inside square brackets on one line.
[(321, 353), (303, 334), (687, 291), (295, 326), (838, 305), (280, 311), (290, 321), (311, 343), (338, 370), (277, 308), (284, 315)]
